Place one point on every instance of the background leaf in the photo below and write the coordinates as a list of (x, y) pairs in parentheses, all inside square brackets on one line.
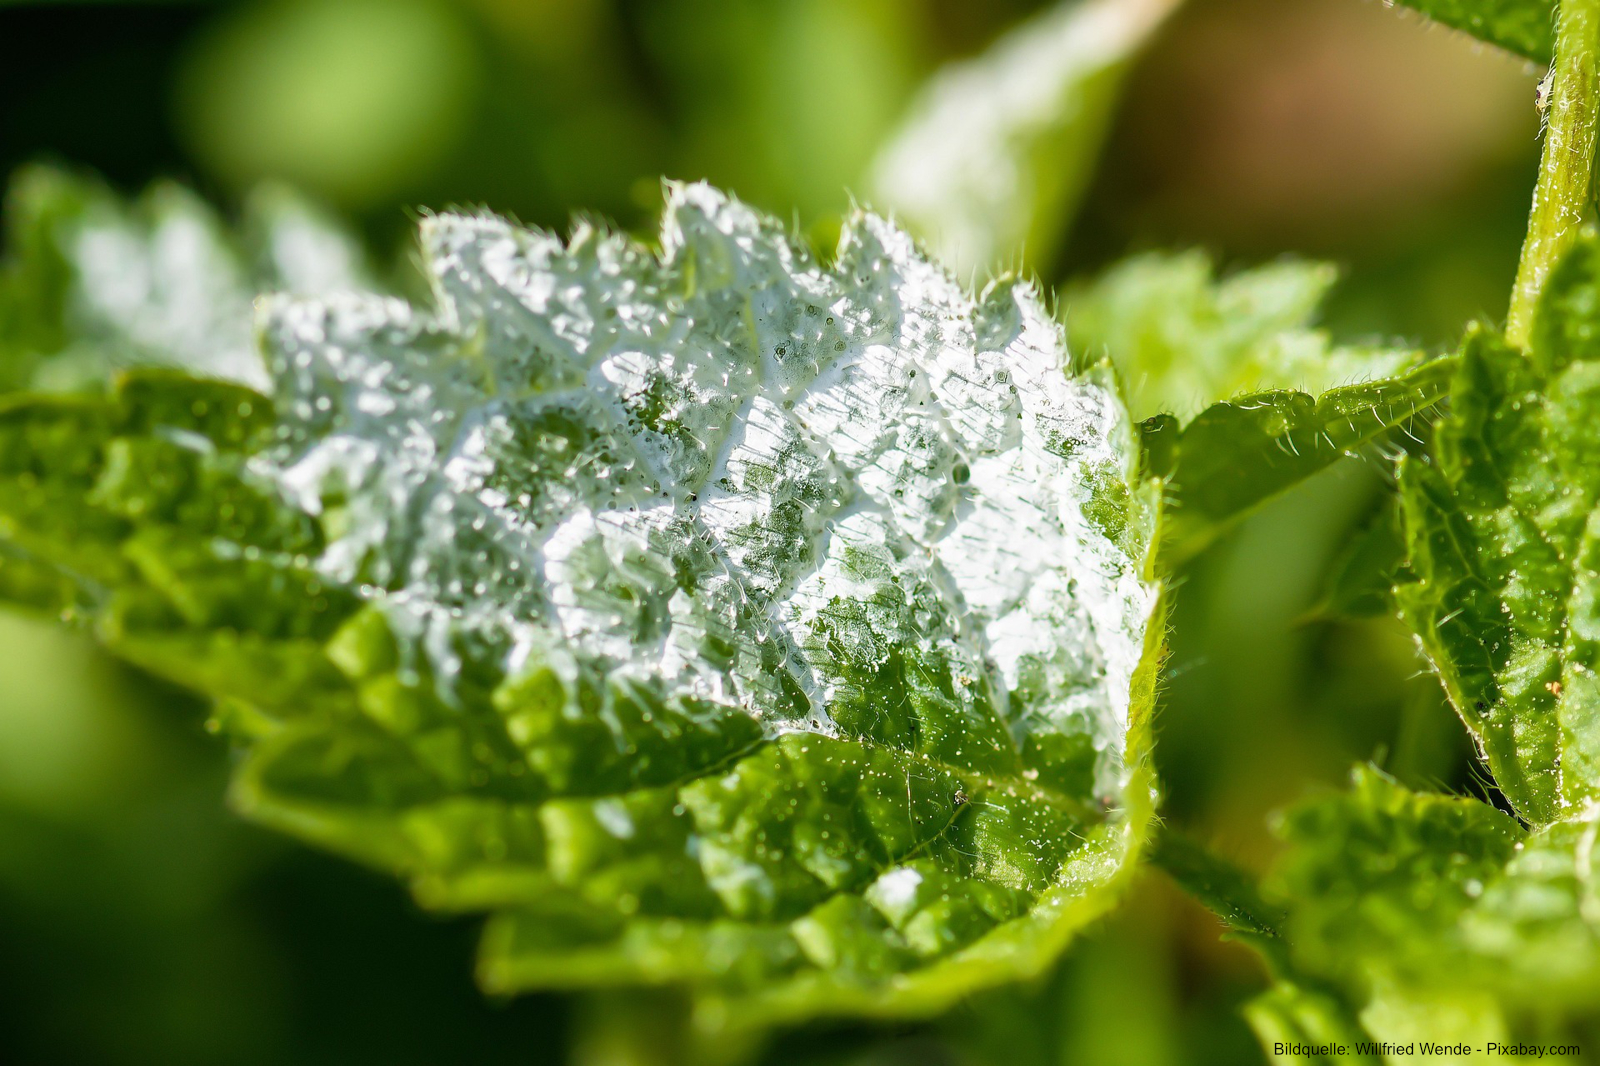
[(990, 161), (1440, 914), (1362, 579), (1288, 1015), (1402, 916), (92, 284), (1183, 338), (1195, 352), (1226, 891)]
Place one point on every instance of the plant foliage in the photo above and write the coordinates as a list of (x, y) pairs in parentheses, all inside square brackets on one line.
[(711, 615), (92, 284), (1241, 396), (1526, 27), (785, 632), (996, 151), (1440, 910)]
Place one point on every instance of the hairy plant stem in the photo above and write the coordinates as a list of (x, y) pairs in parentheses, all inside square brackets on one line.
[(1567, 166)]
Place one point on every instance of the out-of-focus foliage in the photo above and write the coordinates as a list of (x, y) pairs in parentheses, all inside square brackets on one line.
[(1441, 914), (91, 284), (1183, 338), (543, 107), (990, 162), (144, 923), (279, 90), (1298, 1008), (1361, 582)]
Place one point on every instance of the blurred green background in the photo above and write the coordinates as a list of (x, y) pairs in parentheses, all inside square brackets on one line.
[(141, 923)]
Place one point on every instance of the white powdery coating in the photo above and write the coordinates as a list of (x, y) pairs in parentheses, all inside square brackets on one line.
[(677, 466)]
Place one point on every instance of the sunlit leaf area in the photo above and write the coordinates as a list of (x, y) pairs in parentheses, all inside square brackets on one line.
[(799, 533)]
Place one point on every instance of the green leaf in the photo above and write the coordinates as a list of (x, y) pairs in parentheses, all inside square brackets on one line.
[(711, 615), (1225, 890), (1402, 917), (1440, 917), (1381, 876), (1526, 27), (91, 284), (995, 152), (1298, 1012), (1361, 580), (1236, 455), (1183, 339), (1502, 542), (1227, 372), (1296, 1024)]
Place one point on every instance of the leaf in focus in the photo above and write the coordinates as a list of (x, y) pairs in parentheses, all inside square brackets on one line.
[(712, 616), (1526, 27), (92, 284), (1502, 537), (1238, 454), (995, 152), (1439, 916)]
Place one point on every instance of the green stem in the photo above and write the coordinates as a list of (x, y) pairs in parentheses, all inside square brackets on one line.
[(629, 1027), (650, 1027), (1567, 166)]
